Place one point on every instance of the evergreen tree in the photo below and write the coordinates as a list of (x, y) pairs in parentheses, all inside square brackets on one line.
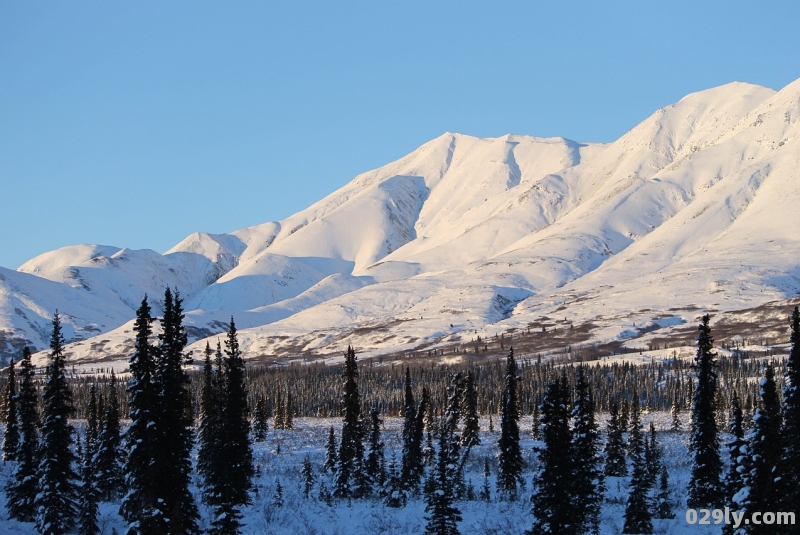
[(278, 422), (423, 424), (56, 502), (11, 435), (331, 457), (110, 456), (351, 450), (587, 480), (553, 510), (705, 489), (442, 516), (615, 445), (790, 431), (231, 469), (638, 515), (675, 411), (395, 495), (511, 463), (288, 422), (736, 449), (89, 493), (307, 473), (663, 505), (142, 507), (277, 498), (535, 416), (22, 488), (486, 491), (469, 412), (92, 433), (411, 468), (653, 456), (760, 491), (208, 429), (374, 465), (174, 437), (260, 416)]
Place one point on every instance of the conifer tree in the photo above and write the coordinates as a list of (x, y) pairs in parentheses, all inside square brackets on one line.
[(675, 412), (110, 456), (653, 456), (616, 465), (553, 510), (760, 490), (89, 493), (260, 416), (307, 473), (469, 412), (509, 475), (442, 516), (790, 431), (351, 450), (663, 507), (374, 465), (22, 488), (209, 426), (56, 502), (142, 507), (395, 495), (11, 435), (587, 479), (486, 491), (423, 427), (288, 422), (535, 416), (331, 456), (278, 422), (172, 459), (638, 514), (736, 450), (705, 489), (411, 467)]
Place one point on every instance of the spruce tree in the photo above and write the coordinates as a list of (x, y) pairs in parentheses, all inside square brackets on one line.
[(675, 412), (411, 460), (11, 435), (761, 481), (89, 493), (663, 505), (616, 465), (790, 431), (331, 456), (638, 514), (56, 502), (705, 488), (142, 507), (374, 464), (736, 450), (351, 450), (22, 487), (553, 510), (209, 426), (442, 516), (509, 475), (307, 473), (110, 456), (424, 419), (260, 416), (469, 412), (486, 490), (288, 417), (588, 486), (174, 424)]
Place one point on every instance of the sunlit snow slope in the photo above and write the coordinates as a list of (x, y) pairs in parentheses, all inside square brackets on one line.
[(694, 207)]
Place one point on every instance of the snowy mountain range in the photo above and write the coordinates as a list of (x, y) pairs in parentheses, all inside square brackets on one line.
[(694, 209)]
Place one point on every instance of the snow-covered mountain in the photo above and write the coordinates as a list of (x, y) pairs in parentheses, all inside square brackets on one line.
[(693, 209)]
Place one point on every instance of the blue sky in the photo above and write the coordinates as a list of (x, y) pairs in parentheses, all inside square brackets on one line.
[(136, 123)]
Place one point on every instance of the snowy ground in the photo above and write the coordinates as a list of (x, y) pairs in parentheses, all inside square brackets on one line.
[(312, 516)]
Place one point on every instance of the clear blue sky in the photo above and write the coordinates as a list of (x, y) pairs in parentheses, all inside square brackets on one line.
[(136, 123)]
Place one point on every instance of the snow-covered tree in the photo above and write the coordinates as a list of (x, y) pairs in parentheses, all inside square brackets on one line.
[(351, 450), (374, 464), (615, 445), (11, 435), (790, 432), (705, 488), (509, 475), (411, 460), (331, 456), (638, 509), (56, 501), (587, 481), (736, 449), (469, 412)]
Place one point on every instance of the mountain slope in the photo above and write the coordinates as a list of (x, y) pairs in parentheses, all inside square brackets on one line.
[(693, 208)]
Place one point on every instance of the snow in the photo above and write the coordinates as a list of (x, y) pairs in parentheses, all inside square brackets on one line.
[(686, 212)]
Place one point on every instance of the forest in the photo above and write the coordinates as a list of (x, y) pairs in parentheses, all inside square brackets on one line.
[(175, 449)]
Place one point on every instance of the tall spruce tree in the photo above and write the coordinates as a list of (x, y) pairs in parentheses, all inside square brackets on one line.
[(331, 456), (424, 419), (89, 493), (790, 431), (616, 465), (736, 450), (411, 460), (209, 425), (174, 423), (588, 481), (260, 417), (351, 450), (11, 435), (56, 502), (22, 487), (230, 470), (374, 465), (469, 412), (553, 510), (663, 505), (705, 488), (509, 475), (638, 509), (143, 505), (110, 457), (761, 481)]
